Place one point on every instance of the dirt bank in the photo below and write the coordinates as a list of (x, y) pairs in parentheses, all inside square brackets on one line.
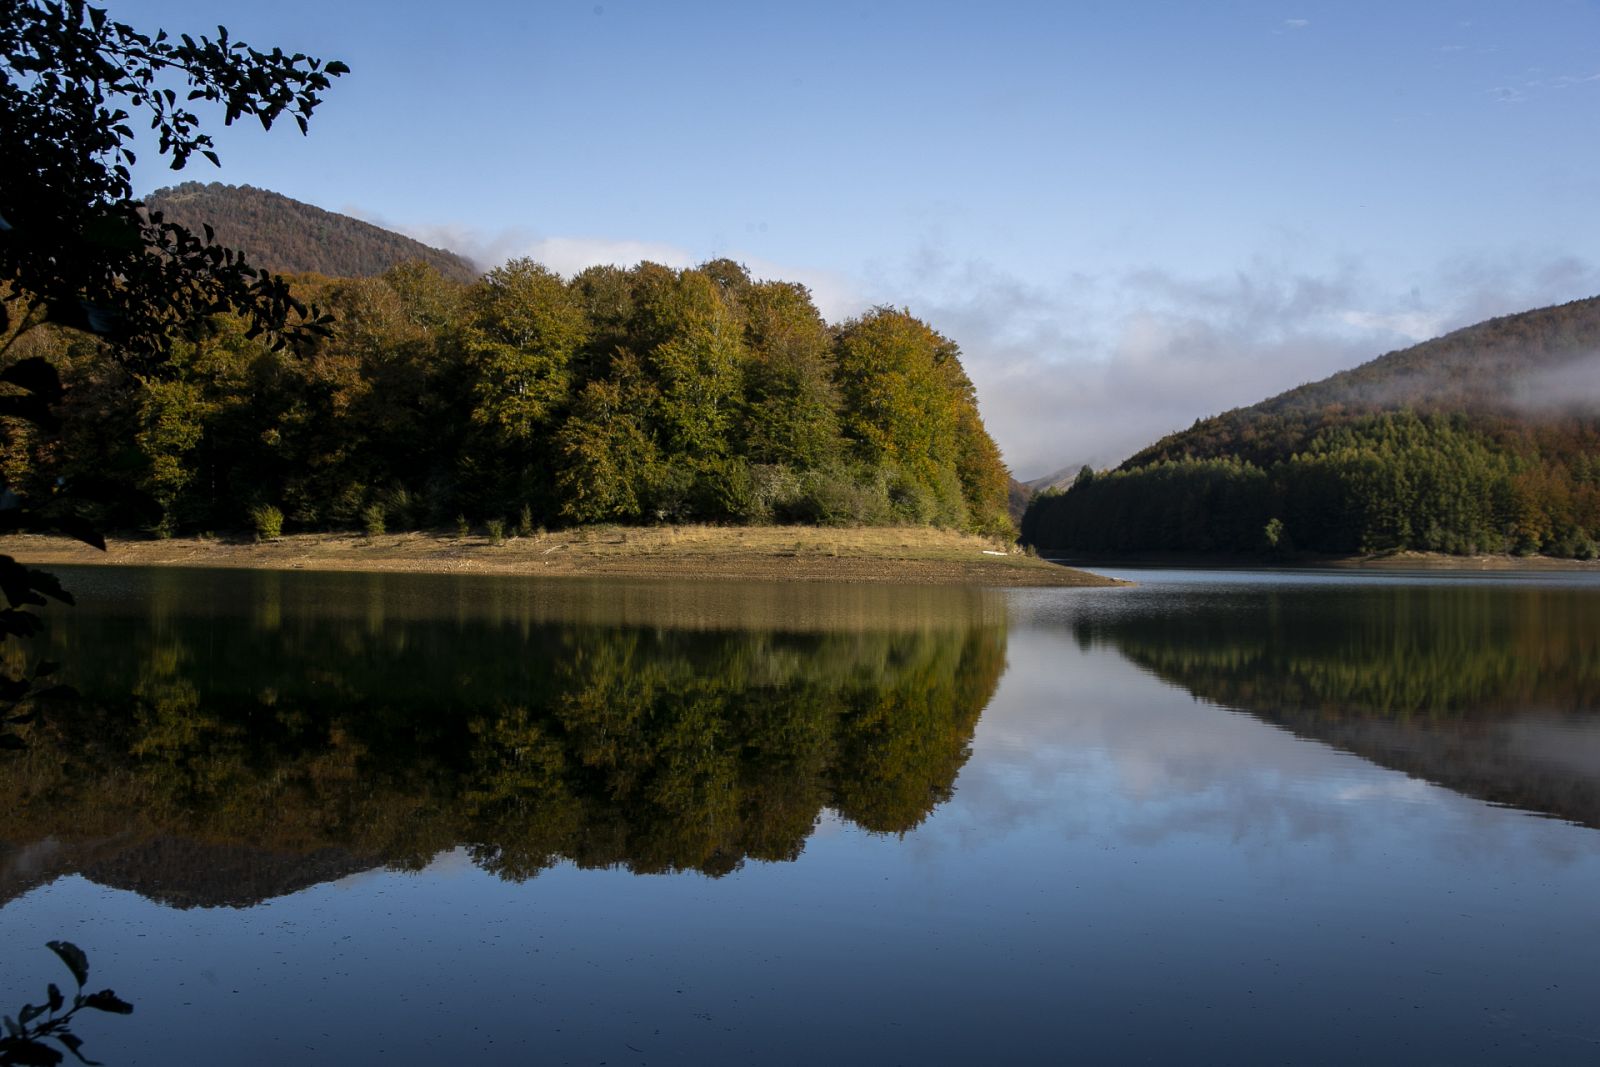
[(912, 555)]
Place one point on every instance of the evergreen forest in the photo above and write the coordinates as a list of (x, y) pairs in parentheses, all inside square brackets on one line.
[(635, 395)]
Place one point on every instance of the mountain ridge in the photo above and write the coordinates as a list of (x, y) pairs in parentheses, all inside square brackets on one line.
[(1470, 369), (288, 236)]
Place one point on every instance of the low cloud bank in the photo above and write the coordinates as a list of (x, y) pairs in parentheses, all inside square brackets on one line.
[(1092, 370)]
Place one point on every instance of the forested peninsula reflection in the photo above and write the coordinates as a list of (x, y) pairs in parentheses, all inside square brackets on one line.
[(245, 735), (1492, 689)]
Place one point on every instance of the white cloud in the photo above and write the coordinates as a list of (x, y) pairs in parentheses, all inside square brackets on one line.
[(1412, 325), (569, 255), (1296, 24), (837, 296)]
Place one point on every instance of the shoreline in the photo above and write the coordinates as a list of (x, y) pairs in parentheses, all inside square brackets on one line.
[(1406, 560), (897, 555)]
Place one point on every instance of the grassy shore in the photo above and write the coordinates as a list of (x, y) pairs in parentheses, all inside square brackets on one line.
[(916, 555)]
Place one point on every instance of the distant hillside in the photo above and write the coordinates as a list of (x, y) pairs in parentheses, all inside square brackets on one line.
[(1484, 440), (1526, 367), (1059, 478), (290, 237)]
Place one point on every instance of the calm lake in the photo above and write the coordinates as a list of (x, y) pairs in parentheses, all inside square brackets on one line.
[(1217, 817)]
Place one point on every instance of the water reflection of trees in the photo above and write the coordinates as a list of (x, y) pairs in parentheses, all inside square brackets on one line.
[(389, 740), (1491, 690), (1396, 652)]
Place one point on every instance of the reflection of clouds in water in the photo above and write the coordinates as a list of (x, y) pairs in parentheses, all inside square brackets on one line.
[(1086, 746), (1410, 790), (454, 862)]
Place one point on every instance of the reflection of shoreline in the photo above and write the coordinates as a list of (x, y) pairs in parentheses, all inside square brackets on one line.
[(266, 597), (228, 754), (1490, 691)]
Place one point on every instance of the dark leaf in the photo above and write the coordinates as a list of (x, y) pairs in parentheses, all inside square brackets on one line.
[(29, 1053), (36, 375), (79, 530), (106, 1000), (73, 1043), (49, 585), (73, 957), (18, 623)]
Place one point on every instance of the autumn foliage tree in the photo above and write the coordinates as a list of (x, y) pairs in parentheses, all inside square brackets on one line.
[(639, 395)]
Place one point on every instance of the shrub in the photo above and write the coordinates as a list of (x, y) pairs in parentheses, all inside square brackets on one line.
[(463, 528), (372, 518), (346, 506), (775, 492), (836, 496), (497, 531), (268, 522), (402, 506), (525, 522)]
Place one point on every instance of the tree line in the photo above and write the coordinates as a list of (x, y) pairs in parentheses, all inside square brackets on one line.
[(619, 395), (1453, 483)]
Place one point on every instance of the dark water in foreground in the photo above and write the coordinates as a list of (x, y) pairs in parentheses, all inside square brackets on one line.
[(1214, 818)]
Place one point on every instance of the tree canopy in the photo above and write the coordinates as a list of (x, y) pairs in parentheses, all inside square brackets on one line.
[(638, 395)]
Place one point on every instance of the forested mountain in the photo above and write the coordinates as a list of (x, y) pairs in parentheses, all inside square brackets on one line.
[(641, 395), (289, 237), (1484, 440)]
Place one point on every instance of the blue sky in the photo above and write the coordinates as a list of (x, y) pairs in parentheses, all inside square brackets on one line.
[(1129, 215)]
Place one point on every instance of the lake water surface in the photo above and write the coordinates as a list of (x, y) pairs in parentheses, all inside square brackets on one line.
[(1216, 817)]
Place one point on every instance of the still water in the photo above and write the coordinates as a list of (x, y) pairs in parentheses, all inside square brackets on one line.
[(1211, 818)]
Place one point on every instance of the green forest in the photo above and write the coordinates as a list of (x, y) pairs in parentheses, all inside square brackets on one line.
[(1474, 443), (633, 396)]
